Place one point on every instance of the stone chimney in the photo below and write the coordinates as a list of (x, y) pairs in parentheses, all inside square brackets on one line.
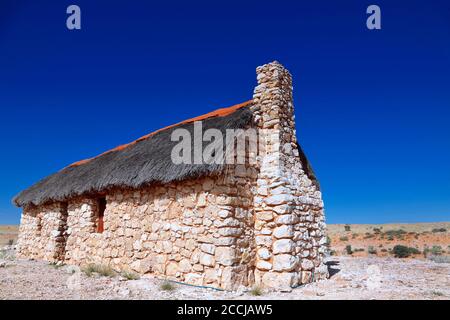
[(289, 223)]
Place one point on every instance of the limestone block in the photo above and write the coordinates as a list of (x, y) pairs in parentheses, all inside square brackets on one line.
[(263, 241), (194, 279), (283, 246), (207, 259), (172, 268), (286, 219), (185, 266), (284, 231), (211, 276), (230, 232), (225, 256), (263, 265), (264, 215), (207, 248), (279, 199), (284, 262), (280, 281), (264, 253)]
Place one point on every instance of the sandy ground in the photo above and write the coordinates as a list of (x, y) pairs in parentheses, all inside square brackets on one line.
[(352, 278)]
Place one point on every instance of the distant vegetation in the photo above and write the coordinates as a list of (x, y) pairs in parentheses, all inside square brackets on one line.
[(400, 251), (348, 249), (436, 230)]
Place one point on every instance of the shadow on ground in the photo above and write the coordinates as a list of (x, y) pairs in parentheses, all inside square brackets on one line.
[(331, 270)]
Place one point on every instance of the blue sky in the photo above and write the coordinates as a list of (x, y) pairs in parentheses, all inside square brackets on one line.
[(372, 107)]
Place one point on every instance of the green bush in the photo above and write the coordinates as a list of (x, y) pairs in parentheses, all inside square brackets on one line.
[(130, 275), (436, 250), (436, 230), (343, 238), (347, 227), (167, 286), (401, 251), (256, 291), (348, 249), (105, 271), (395, 233)]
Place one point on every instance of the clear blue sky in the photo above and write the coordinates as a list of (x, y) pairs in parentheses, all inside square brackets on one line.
[(372, 107)]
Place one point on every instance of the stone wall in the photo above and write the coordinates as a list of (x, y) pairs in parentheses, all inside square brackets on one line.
[(41, 232), (199, 231)]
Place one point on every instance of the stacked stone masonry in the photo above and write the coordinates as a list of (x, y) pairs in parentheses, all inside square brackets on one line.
[(257, 224)]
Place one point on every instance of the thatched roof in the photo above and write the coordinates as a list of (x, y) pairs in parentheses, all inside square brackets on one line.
[(143, 162), (140, 163)]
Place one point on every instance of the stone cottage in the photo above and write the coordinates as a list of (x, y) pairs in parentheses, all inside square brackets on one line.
[(217, 225)]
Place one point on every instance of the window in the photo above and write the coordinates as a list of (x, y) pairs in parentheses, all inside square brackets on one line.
[(101, 211), (38, 224)]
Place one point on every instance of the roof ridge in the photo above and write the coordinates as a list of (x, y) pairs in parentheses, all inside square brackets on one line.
[(216, 113)]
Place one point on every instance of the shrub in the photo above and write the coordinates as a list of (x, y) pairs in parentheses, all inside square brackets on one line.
[(102, 270), (343, 238), (395, 233), (436, 250), (369, 236), (348, 249), (355, 235), (130, 275), (414, 250), (404, 251), (256, 291), (347, 227), (332, 252), (328, 243), (167, 286), (371, 250), (436, 230), (10, 242), (376, 230), (358, 250), (401, 251), (383, 250)]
